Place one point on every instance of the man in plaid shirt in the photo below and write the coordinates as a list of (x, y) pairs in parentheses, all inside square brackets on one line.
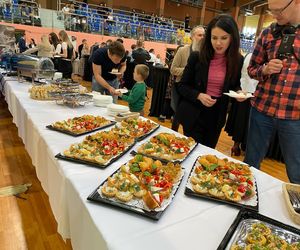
[(276, 105)]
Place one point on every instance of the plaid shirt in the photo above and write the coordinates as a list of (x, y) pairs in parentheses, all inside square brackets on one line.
[(277, 95)]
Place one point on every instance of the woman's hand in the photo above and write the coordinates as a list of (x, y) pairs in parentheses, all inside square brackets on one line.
[(241, 99), (206, 100)]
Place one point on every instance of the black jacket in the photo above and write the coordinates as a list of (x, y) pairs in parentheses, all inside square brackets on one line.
[(193, 82), (22, 45), (140, 56), (80, 47)]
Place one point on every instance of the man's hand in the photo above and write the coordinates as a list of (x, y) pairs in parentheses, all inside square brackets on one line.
[(119, 93), (112, 91), (273, 67), (206, 100)]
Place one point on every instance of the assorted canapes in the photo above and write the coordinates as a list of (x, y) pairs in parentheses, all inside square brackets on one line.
[(261, 237), (81, 124), (100, 148), (168, 146), (144, 182), (222, 179), (136, 127), (42, 92)]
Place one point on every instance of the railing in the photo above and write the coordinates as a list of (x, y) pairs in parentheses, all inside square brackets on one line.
[(92, 21), (95, 24), (106, 21), (189, 2), (117, 12), (142, 18), (11, 11)]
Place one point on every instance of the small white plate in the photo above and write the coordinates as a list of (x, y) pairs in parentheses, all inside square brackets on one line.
[(115, 73), (234, 94), (123, 91)]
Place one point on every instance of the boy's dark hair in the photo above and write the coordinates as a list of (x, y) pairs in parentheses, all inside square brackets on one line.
[(151, 50), (116, 48), (142, 70)]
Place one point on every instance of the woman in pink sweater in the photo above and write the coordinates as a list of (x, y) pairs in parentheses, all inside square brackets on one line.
[(216, 70)]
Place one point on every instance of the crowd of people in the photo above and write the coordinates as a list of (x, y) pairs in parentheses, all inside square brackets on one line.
[(200, 75), (139, 25)]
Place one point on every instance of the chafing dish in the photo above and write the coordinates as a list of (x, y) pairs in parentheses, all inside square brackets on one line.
[(35, 68), (8, 60), (73, 99)]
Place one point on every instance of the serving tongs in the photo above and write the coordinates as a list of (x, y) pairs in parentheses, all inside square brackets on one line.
[(291, 193), (295, 200)]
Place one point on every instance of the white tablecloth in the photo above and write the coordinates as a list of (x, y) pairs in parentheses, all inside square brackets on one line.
[(188, 223)]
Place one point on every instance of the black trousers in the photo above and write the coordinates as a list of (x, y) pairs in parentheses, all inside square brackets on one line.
[(66, 68), (206, 129)]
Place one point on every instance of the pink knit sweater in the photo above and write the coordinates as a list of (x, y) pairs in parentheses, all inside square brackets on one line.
[(216, 75)]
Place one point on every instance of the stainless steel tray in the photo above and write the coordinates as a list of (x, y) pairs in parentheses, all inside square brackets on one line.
[(243, 223)]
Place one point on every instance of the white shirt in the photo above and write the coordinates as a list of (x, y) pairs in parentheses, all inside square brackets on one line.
[(64, 45), (153, 58), (158, 61), (65, 9), (247, 84), (58, 49)]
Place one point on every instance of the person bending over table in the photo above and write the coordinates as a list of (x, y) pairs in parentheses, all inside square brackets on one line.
[(105, 60), (216, 70)]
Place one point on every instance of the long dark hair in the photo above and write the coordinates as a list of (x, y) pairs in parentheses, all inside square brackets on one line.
[(228, 24), (54, 39)]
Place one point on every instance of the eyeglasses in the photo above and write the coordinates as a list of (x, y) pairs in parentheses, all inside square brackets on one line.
[(279, 11)]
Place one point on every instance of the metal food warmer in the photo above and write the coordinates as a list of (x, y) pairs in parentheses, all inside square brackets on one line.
[(8, 60), (35, 68)]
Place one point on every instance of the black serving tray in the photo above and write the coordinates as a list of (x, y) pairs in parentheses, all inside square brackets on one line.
[(248, 214), (96, 197), (133, 152), (79, 134), (93, 164), (191, 193)]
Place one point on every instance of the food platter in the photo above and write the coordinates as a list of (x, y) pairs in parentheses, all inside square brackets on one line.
[(98, 150), (143, 186), (81, 125), (269, 233), (168, 147), (223, 181)]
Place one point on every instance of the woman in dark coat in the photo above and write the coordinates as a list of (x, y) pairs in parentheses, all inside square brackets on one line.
[(216, 70)]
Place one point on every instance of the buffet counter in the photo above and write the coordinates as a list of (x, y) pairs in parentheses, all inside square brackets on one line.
[(188, 223)]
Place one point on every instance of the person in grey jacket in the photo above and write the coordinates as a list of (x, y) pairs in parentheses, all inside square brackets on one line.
[(178, 65)]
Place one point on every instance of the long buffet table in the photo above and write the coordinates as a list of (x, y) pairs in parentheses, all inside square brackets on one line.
[(188, 223)]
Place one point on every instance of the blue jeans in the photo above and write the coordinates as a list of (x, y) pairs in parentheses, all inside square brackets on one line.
[(97, 87), (261, 130)]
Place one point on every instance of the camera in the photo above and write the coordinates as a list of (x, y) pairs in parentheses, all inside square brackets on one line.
[(286, 48)]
